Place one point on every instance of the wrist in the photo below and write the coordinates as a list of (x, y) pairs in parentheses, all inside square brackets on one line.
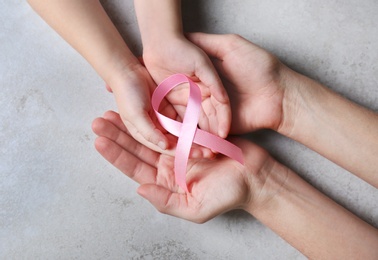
[(162, 41), (119, 67), (158, 20), (301, 98), (266, 187)]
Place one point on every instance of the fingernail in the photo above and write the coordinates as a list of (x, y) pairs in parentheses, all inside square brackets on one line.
[(162, 145)]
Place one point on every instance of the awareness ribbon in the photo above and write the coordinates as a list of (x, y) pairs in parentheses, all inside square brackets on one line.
[(187, 131)]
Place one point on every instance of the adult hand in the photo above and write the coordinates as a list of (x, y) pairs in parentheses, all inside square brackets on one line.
[(269, 191), (265, 93), (253, 77), (215, 186)]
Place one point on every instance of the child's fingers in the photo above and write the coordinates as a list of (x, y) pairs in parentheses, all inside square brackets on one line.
[(223, 115), (144, 130), (209, 76), (218, 97), (115, 119), (218, 113)]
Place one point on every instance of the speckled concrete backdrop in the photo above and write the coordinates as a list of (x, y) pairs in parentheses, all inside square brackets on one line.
[(60, 200)]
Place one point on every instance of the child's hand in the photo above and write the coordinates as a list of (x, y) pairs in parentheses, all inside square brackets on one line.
[(166, 51), (132, 91), (178, 55)]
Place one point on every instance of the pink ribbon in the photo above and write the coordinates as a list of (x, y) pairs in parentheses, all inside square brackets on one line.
[(187, 131)]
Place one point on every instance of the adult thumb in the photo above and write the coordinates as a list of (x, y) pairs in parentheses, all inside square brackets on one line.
[(214, 45)]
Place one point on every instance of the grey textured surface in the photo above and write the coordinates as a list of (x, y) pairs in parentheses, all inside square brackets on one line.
[(60, 200)]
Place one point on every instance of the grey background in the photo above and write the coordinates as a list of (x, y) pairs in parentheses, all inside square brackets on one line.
[(60, 200)]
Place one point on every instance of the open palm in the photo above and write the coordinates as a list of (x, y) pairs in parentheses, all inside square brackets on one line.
[(215, 186)]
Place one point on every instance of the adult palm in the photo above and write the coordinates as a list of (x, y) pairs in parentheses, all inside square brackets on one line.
[(215, 185)]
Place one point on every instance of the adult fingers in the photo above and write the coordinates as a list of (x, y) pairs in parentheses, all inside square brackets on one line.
[(116, 120), (105, 128), (126, 162), (215, 45)]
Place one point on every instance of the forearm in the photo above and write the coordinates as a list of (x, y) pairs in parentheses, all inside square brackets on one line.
[(310, 221), (333, 126), (86, 26), (158, 20)]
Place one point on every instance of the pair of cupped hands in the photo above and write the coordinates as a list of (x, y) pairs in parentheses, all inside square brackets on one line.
[(243, 89)]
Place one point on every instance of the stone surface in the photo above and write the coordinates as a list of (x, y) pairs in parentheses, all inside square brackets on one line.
[(60, 200)]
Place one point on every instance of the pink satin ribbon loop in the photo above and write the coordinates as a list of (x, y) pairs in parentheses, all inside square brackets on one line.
[(187, 131)]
